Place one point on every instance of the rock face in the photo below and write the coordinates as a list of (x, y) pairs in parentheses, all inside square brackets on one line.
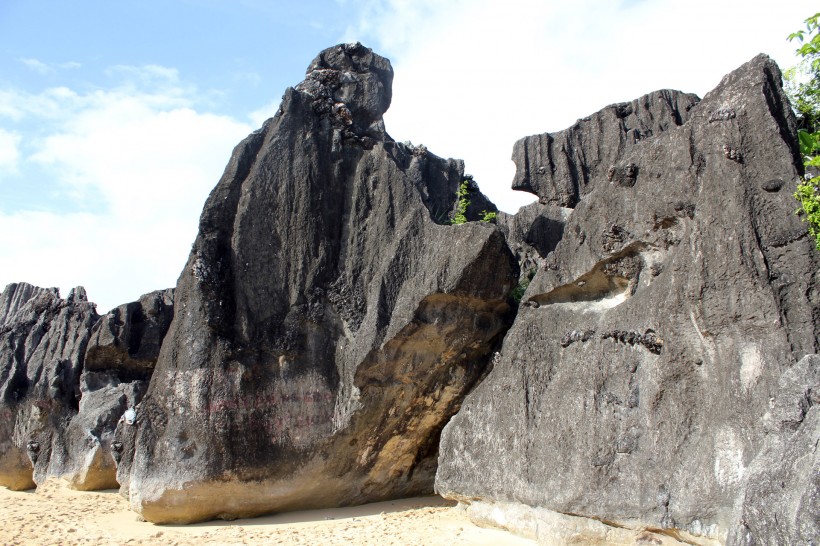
[(560, 168), (532, 234), (122, 351), (43, 340), (781, 500), (66, 377), (632, 387), (328, 321)]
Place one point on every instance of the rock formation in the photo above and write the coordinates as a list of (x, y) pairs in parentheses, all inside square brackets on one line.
[(781, 498), (654, 386), (631, 390), (329, 320), (43, 340), (66, 377), (122, 351)]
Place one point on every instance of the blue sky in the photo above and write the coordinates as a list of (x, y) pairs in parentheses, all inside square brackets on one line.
[(117, 118)]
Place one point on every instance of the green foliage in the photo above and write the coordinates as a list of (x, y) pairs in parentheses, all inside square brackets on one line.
[(518, 292), (489, 217), (803, 79), (809, 147), (808, 193), (463, 203), (803, 88)]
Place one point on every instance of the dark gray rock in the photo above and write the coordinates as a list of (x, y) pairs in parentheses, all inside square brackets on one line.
[(66, 377), (632, 387), (122, 351), (532, 234), (560, 168), (328, 322), (43, 340), (781, 501)]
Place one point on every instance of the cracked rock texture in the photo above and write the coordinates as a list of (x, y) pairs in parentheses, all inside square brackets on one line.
[(328, 322), (633, 386), (122, 351), (66, 377), (43, 339)]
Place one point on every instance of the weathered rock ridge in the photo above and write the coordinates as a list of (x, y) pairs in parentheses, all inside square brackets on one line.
[(42, 344), (122, 351), (67, 376), (632, 388), (329, 320)]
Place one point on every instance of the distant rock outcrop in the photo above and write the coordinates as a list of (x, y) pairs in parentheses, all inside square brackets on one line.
[(560, 167), (43, 339), (328, 322), (631, 391)]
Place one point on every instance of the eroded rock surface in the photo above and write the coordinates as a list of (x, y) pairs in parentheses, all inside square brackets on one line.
[(328, 322), (43, 339), (67, 376), (632, 387), (122, 351), (560, 167), (532, 234), (781, 498)]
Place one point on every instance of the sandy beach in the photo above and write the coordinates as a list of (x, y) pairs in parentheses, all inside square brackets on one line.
[(56, 514)]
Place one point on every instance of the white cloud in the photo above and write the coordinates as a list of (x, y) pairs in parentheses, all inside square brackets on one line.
[(9, 152), (45, 68), (36, 65), (145, 74), (143, 151), (471, 77), (248, 78)]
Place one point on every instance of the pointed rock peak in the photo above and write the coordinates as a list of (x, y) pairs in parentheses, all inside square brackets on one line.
[(77, 293), (757, 68), (352, 83)]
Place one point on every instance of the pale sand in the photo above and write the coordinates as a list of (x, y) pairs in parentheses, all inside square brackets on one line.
[(55, 514)]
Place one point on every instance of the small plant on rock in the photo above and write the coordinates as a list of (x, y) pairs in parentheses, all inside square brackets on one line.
[(489, 217), (808, 193), (463, 203), (518, 292)]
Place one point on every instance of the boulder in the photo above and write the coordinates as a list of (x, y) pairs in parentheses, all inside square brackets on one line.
[(329, 320), (632, 388), (43, 339)]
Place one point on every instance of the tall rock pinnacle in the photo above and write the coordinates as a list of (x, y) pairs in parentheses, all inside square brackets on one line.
[(328, 321)]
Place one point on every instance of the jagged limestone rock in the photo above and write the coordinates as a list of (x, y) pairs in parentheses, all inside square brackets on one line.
[(67, 377), (632, 386), (532, 233), (560, 167), (328, 322), (122, 351), (42, 344)]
